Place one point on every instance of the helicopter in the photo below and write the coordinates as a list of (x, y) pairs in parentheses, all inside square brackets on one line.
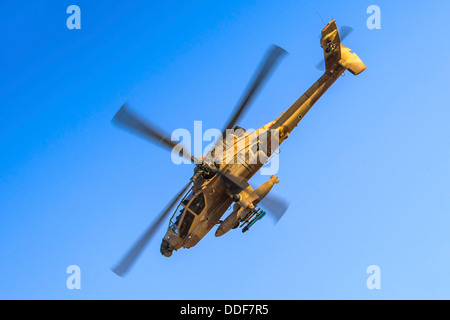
[(221, 176)]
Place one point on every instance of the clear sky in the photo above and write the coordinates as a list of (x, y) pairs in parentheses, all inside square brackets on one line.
[(366, 172)]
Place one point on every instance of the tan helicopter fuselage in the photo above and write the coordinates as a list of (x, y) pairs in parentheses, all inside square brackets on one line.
[(203, 207)]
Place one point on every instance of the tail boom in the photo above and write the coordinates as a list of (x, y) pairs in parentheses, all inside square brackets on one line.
[(338, 58)]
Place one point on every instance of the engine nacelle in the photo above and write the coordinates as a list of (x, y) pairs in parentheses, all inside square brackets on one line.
[(264, 189)]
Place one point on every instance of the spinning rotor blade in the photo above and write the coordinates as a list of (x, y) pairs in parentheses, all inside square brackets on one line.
[(126, 119), (270, 60), (321, 65), (344, 31), (128, 260), (274, 205), (235, 184)]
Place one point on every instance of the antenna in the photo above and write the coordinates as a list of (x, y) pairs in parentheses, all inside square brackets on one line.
[(321, 17)]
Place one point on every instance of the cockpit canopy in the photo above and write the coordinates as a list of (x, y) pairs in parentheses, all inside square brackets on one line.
[(190, 207)]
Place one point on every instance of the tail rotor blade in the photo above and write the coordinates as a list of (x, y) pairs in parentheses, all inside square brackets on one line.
[(321, 65), (344, 32), (129, 259)]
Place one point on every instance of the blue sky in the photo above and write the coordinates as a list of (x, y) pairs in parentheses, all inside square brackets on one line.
[(366, 172)]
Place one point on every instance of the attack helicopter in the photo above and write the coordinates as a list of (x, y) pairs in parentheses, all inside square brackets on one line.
[(221, 176)]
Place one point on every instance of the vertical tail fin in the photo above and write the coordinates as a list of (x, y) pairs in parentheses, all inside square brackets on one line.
[(337, 54)]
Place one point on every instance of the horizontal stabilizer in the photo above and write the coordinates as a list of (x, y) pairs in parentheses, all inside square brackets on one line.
[(351, 61)]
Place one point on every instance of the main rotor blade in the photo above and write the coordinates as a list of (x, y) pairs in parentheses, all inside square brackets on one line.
[(277, 206), (128, 260), (234, 184), (128, 120), (269, 62)]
